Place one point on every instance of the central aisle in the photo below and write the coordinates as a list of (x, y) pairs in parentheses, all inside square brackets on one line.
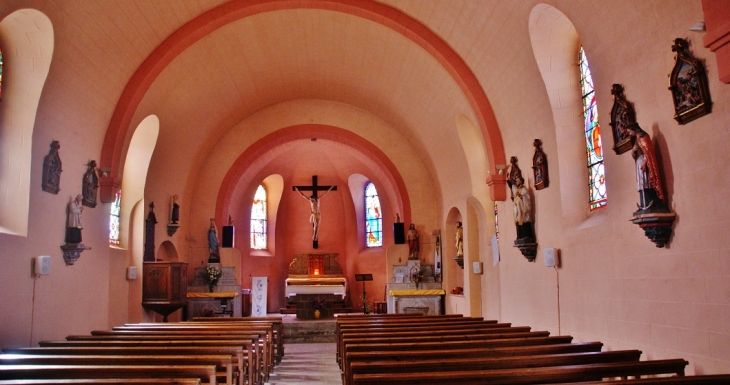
[(303, 364)]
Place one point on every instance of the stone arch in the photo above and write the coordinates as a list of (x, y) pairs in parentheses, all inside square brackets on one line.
[(231, 11), (31, 32), (555, 44), (396, 188)]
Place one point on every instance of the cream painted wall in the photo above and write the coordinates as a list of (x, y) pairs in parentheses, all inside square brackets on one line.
[(615, 286)]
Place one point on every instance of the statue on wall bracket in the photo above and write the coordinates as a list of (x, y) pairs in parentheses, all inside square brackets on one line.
[(622, 115), (653, 214), (73, 247), (540, 166), (90, 185), (174, 216), (52, 170), (149, 235), (522, 210), (688, 83)]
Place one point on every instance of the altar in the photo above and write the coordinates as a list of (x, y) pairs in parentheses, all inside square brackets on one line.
[(414, 290), (224, 301), (315, 282)]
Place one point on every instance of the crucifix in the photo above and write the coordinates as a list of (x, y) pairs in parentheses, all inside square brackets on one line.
[(315, 215)]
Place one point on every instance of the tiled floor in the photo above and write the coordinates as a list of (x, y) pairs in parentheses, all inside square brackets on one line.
[(307, 364)]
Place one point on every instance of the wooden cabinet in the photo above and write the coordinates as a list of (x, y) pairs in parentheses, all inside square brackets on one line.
[(164, 287)]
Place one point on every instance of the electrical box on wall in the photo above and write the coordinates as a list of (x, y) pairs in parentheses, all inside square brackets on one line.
[(476, 267), (551, 257), (132, 272), (42, 265)]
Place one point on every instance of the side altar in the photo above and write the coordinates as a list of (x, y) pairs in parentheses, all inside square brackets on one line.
[(414, 290), (223, 301), (315, 282)]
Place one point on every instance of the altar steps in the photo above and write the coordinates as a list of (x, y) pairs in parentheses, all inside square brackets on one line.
[(309, 331)]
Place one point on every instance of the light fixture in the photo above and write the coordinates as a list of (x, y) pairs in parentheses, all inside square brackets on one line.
[(698, 27)]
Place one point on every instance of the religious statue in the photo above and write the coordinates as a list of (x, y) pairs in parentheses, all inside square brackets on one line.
[(412, 238), (174, 210), (459, 241), (52, 170), (522, 212), (213, 243), (90, 184), (648, 180), (315, 215), (74, 224), (539, 166), (653, 214), (149, 232)]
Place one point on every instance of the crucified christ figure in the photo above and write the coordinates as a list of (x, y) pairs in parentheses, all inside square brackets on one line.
[(315, 215)]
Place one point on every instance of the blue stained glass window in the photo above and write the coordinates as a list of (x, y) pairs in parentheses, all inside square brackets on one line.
[(1, 74), (258, 219), (496, 221), (373, 217), (594, 149), (114, 219)]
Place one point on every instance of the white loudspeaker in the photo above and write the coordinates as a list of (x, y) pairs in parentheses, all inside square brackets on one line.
[(132, 272), (42, 265), (476, 267), (551, 256)]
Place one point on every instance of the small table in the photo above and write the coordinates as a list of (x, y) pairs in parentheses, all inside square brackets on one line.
[(221, 303)]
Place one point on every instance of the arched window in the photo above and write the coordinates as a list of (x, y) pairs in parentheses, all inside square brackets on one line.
[(373, 217), (258, 219), (1, 74), (114, 219), (594, 150)]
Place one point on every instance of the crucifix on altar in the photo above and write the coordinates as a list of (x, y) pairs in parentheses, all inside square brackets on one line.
[(315, 215)]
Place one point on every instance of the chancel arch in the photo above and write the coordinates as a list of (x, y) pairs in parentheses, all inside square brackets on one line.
[(28, 31), (218, 17)]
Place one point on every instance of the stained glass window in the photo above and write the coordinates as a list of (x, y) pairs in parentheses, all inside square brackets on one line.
[(114, 219), (258, 219), (1, 74), (496, 221), (594, 150), (373, 217)]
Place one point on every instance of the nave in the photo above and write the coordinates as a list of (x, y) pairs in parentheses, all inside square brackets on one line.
[(307, 364)]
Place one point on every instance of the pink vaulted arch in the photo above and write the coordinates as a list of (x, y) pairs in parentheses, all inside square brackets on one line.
[(226, 13), (307, 131)]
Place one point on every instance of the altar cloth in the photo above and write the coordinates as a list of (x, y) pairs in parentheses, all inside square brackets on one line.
[(425, 292), (222, 294)]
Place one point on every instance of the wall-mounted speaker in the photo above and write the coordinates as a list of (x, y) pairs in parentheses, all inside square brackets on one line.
[(227, 239), (399, 233), (42, 265)]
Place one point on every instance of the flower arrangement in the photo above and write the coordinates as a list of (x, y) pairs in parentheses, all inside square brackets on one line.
[(318, 303), (417, 276), (211, 277)]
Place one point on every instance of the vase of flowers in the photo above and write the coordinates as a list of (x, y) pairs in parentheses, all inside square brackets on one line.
[(211, 277), (417, 276), (318, 305)]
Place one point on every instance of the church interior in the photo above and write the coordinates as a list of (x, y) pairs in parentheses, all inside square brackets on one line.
[(435, 106)]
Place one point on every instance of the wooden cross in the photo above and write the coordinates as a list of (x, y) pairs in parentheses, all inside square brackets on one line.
[(314, 200)]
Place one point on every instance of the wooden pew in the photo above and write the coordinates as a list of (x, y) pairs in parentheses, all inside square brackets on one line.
[(417, 347), (246, 375), (266, 327), (452, 363), (556, 374), (107, 381), (463, 324), (277, 324), (244, 346), (206, 373), (266, 340), (223, 363), (705, 379)]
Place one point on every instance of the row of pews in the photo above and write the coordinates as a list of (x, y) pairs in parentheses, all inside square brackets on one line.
[(451, 349), (229, 351)]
